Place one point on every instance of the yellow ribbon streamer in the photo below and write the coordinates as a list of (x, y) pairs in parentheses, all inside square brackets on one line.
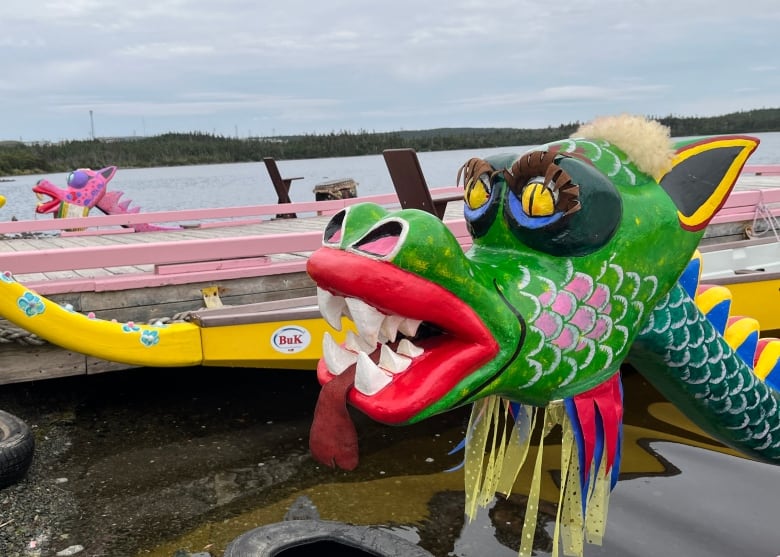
[(495, 454)]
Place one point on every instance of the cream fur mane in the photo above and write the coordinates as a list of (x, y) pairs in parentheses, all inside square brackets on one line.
[(646, 142)]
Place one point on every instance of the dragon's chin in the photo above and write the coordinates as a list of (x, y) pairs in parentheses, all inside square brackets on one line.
[(47, 206), (55, 198), (399, 394), (415, 341)]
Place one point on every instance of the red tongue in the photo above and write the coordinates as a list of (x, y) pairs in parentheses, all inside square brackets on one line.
[(333, 438)]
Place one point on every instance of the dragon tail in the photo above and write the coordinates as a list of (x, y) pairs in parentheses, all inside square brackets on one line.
[(714, 366)]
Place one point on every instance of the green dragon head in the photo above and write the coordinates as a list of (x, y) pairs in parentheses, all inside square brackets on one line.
[(573, 245)]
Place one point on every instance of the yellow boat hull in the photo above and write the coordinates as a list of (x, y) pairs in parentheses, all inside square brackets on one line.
[(258, 345), (756, 296), (286, 338)]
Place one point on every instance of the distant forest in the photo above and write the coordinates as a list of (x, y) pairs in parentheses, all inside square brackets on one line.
[(175, 149)]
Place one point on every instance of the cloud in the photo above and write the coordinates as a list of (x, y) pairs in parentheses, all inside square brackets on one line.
[(563, 93), (301, 66)]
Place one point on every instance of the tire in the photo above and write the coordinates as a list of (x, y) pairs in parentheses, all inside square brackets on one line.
[(298, 538), (17, 445)]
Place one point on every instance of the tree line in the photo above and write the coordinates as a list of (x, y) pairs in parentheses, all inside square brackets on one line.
[(175, 149)]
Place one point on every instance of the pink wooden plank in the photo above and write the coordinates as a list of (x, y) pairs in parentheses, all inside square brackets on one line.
[(164, 216), (183, 261), (742, 198), (762, 169), (741, 205), (147, 280), (168, 253), (211, 214), (211, 265), (188, 275), (183, 251)]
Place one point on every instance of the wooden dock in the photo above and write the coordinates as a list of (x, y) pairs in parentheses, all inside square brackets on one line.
[(219, 257), (226, 256)]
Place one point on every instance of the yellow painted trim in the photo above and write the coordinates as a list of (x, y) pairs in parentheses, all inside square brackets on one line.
[(711, 297), (177, 344), (173, 345), (767, 360), (738, 331), (717, 198), (252, 344)]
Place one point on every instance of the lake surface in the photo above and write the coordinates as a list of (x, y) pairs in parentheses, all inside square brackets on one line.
[(239, 184)]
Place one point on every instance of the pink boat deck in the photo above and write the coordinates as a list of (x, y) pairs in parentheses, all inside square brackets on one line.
[(241, 242), (239, 255), (232, 256), (212, 245)]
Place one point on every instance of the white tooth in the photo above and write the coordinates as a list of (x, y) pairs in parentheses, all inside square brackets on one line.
[(409, 326), (406, 348), (382, 338), (389, 328), (369, 379), (336, 358), (366, 319), (331, 307), (393, 362), (357, 344)]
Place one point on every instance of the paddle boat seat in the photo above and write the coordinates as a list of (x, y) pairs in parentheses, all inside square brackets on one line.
[(281, 185), (410, 185)]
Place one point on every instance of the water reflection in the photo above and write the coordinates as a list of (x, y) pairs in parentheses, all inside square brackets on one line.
[(427, 508), (162, 460)]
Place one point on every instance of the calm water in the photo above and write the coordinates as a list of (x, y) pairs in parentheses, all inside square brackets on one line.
[(227, 185)]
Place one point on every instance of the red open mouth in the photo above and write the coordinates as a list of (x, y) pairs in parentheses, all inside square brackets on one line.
[(46, 206), (416, 340)]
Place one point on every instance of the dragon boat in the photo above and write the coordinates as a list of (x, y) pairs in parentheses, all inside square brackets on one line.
[(86, 189), (281, 334), (584, 257)]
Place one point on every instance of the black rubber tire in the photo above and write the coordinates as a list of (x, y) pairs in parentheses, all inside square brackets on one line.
[(17, 446), (296, 538)]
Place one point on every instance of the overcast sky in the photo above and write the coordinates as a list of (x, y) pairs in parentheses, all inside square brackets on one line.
[(278, 67)]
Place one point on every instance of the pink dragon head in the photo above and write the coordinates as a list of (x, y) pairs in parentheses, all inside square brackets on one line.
[(85, 188)]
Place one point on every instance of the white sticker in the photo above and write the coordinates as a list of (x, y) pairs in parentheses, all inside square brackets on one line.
[(290, 339)]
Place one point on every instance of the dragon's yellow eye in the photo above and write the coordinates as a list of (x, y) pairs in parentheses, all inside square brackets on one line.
[(538, 200), (478, 192)]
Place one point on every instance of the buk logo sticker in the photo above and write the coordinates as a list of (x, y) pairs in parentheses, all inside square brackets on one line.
[(290, 339)]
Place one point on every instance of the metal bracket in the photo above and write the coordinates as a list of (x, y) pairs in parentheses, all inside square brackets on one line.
[(211, 297)]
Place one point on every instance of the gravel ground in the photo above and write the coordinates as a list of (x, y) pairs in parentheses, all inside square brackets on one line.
[(35, 513), (166, 463), (119, 467)]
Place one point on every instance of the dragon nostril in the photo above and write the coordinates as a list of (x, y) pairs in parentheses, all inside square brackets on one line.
[(332, 234), (382, 240)]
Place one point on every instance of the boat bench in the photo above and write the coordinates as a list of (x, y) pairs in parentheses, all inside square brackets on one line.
[(281, 185), (750, 205), (261, 312), (762, 169), (410, 185)]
